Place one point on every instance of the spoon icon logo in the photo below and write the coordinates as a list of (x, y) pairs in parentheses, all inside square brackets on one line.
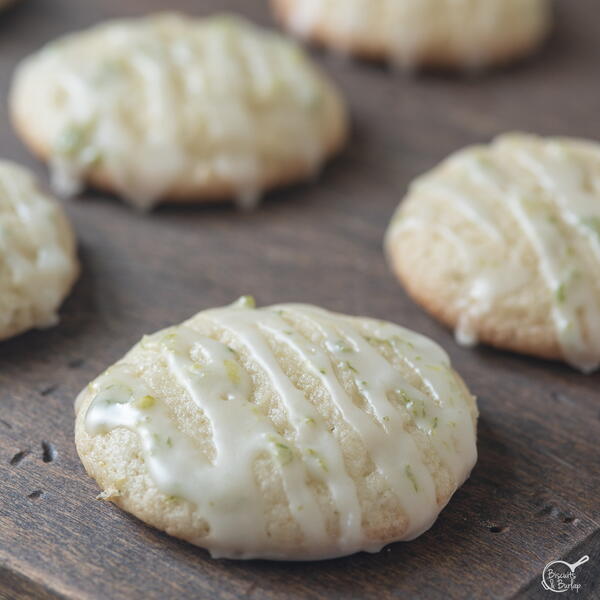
[(559, 576)]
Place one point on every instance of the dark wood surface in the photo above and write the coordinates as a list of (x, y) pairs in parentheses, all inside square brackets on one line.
[(534, 494)]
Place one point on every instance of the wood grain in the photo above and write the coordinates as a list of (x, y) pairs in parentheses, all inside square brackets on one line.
[(533, 496)]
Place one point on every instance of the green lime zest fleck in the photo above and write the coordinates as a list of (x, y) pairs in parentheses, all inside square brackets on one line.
[(322, 371), (396, 340), (75, 141), (411, 476), (310, 421), (435, 423), (386, 419), (419, 409), (592, 223), (145, 403), (168, 340), (403, 397), (72, 139), (284, 453), (245, 302), (114, 394), (317, 456), (110, 401), (233, 371), (169, 442), (342, 346), (561, 293), (351, 367), (196, 369)]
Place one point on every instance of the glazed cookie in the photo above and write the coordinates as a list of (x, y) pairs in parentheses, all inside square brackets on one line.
[(502, 242), (38, 263), (463, 34), (287, 432), (174, 108)]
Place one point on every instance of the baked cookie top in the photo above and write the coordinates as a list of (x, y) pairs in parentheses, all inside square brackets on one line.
[(412, 33), (503, 243), (171, 107), (286, 432), (38, 261)]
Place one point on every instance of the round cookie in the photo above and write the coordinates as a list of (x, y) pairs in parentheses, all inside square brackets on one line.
[(463, 34), (174, 108), (286, 432), (38, 263), (502, 242)]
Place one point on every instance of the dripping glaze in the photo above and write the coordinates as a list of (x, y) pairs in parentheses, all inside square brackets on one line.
[(166, 101), (568, 212), (215, 379), (37, 251), (407, 29)]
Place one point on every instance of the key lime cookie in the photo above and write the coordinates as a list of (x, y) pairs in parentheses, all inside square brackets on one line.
[(462, 34), (38, 263), (286, 432), (174, 108), (502, 242)]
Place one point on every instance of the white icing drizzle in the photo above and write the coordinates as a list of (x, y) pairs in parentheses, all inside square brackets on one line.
[(311, 431), (424, 357), (37, 253), (224, 489), (411, 29), (541, 186), (475, 212), (491, 283), (167, 101)]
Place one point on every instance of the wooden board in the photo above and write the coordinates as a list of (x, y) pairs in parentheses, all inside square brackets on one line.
[(533, 496)]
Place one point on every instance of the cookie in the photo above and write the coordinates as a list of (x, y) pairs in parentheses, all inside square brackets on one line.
[(177, 109), (286, 432), (38, 263), (502, 242), (463, 34)]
